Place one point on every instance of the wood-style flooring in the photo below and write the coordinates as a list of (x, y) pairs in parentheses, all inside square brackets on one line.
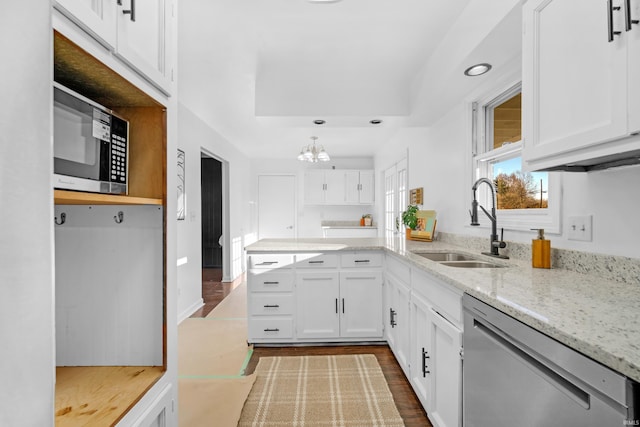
[(213, 292)]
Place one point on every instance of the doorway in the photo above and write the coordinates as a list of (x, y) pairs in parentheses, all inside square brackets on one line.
[(211, 187), (276, 206)]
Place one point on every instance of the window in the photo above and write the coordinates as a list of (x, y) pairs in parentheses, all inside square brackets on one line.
[(524, 199)]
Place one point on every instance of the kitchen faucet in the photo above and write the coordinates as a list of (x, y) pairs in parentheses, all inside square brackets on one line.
[(495, 243)]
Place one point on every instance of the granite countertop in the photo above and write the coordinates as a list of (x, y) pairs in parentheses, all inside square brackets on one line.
[(594, 315)]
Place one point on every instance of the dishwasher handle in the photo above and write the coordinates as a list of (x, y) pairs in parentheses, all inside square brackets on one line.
[(572, 391)]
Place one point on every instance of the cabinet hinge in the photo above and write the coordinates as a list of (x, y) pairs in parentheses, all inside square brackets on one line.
[(462, 354)]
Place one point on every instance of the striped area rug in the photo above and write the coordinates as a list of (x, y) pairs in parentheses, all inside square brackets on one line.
[(344, 390)]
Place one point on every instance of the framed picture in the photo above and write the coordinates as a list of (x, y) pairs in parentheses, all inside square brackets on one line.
[(182, 196)]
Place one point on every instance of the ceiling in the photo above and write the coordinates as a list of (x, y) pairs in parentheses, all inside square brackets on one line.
[(261, 71)]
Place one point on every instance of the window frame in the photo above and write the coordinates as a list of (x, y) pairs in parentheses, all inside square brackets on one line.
[(482, 156)]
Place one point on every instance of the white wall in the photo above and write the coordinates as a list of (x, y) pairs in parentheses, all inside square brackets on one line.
[(194, 137), (27, 365), (439, 161), (309, 218)]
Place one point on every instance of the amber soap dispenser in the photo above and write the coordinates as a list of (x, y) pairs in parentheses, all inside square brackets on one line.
[(540, 251)]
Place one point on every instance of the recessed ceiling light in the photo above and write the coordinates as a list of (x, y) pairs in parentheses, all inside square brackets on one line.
[(319, 122), (375, 121), (477, 70)]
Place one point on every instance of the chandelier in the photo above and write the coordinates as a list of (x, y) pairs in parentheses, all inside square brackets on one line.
[(312, 154)]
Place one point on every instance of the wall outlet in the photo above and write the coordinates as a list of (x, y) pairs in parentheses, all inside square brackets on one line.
[(580, 228)]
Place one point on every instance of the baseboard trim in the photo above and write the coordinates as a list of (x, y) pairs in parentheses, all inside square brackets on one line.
[(190, 310)]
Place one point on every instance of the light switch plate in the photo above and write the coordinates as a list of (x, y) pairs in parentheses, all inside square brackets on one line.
[(580, 228)]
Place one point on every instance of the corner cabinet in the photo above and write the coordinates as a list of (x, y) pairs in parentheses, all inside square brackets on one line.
[(339, 187), (580, 91), (315, 297), (138, 33)]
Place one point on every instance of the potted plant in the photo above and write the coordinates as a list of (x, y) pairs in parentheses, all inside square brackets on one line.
[(410, 218)]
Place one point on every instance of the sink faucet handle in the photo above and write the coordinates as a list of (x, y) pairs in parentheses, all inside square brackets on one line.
[(502, 242)]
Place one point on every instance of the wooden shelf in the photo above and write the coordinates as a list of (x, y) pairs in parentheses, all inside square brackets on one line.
[(64, 197), (100, 395)]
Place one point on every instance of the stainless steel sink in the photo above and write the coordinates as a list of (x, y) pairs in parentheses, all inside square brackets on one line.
[(445, 256), (470, 264)]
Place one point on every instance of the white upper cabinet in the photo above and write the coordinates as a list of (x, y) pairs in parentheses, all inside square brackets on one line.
[(359, 187), (97, 17), (138, 32), (580, 96), (338, 187)]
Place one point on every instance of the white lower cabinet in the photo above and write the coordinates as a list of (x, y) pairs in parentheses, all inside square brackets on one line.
[(398, 320), (436, 347), (345, 305), (420, 345), (318, 305), (316, 298), (444, 364)]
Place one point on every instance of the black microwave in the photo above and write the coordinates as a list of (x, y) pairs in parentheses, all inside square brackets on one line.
[(90, 145)]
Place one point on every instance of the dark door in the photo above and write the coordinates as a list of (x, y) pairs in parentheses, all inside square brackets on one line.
[(211, 177)]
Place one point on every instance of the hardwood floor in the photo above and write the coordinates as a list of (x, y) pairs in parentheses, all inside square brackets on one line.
[(214, 291), (406, 401)]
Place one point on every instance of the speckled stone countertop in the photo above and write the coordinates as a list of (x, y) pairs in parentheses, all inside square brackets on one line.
[(594, 315)]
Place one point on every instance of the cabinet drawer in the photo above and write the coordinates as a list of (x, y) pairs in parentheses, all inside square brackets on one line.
[(270, 261), (398, 269), (316, 260), (362, 259), (272, 281), (271, 327), (445, 299), (262, 304)]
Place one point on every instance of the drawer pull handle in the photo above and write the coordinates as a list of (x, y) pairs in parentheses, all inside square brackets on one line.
[(362, 260), (360, 278), (425, 356), (316, 262), (271, 283), (267, 263), (392, 317), (312, 279), (272, 330), (271, 306), (336, 305)]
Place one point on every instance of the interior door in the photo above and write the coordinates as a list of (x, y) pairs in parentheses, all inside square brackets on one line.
[(276, 206)]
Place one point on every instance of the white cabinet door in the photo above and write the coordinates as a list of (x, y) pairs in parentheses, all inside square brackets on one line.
[(361, 304), (420, 345), (318, 305), (334, 187), (574, 80), (97, 17), (314, 187), (359, 187), (143, 37), (352, 186), (398, 300), (445, 367), (367, 184)]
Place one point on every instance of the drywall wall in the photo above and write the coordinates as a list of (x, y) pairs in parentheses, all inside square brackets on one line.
[(309, 218), (195, 136), (26, 214)]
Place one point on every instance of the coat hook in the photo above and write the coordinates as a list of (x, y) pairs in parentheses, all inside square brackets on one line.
[(119, 218), (63, 219)]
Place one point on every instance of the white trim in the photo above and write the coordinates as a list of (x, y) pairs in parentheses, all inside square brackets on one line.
[(190, 310), (510, 219)]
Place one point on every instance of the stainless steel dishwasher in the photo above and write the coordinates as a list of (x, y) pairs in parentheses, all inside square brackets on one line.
[(514, 375)]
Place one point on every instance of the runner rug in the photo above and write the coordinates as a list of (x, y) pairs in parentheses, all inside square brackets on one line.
[(344, 390)]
